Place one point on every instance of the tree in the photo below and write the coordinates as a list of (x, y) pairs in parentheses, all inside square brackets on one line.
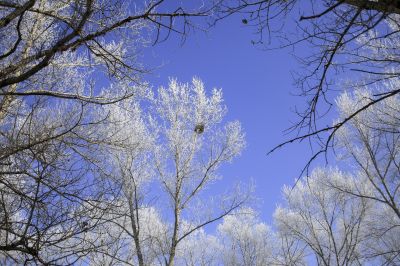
[(245, 239), (52, 181), (92, 34), (344, 35), (167, 172), (200, 248), (128, 170), (370, 142), (187, 161), (47, 197), (329, 223), (288, 250)]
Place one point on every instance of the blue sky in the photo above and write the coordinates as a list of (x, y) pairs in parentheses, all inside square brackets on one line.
[(258, 91)]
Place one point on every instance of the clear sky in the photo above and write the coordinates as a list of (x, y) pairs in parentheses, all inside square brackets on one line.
[(258, 91)]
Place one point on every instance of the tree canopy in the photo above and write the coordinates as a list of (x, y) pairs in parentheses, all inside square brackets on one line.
[(97, 167)]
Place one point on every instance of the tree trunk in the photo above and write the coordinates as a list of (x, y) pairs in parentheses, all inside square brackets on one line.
[(174, 241), (136, 231)]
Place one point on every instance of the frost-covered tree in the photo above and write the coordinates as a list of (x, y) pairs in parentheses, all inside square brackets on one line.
[(329, 223), (194, 144), (40, 38), (288, 250), (162, 164), (245, 240), (370, 143), (60, 63), (121, 241), (352, 218), (48, 180), (199, 248), (131, 226)]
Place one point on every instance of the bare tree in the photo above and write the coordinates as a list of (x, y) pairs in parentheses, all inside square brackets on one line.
[(360, 36)]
